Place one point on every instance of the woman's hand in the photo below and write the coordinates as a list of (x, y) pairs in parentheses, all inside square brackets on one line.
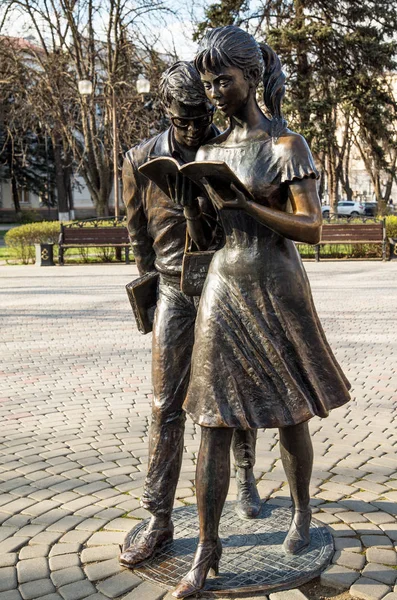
[(239, 202)]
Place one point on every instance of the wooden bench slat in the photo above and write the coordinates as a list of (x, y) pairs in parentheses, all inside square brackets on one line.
[(343, 242), (96, 245), (355, 238), (351, 237), (98, 235), (370, 230), (93, 241), (353, 234), (346, 228)]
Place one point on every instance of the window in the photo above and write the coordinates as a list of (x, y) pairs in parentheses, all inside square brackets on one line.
[(24, 196)]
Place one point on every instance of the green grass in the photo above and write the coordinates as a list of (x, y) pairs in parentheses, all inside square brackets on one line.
[(342, 251), (5, 253), (72, 256)]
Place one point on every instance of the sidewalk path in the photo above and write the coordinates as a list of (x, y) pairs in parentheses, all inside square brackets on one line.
[(74, 406)]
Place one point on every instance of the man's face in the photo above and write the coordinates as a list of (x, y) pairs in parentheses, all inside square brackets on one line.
[(192, 124)]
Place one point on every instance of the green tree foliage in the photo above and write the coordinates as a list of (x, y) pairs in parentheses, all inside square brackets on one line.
[(26, 162), (337, 56), (26, 157)]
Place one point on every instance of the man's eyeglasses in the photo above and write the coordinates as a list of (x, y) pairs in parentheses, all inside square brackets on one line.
[(199, 122)]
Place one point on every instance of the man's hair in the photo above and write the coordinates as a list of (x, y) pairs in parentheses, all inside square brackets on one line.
[(182, 83)]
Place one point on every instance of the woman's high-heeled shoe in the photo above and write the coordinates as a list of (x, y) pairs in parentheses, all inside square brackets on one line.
[(298, 537), (206, 559)]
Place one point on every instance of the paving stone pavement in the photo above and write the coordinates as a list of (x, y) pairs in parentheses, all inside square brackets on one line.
[(74, 409)]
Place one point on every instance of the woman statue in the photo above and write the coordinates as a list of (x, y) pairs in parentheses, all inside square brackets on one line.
[(260, 357)]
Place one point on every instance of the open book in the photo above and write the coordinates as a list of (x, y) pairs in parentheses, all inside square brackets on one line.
[(163, 171)]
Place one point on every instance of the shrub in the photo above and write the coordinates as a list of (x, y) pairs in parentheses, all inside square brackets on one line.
[(391, 226), (30, 216), (22, 239)]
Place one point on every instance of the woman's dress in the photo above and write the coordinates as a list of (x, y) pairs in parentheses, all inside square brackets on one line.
[(261, 358)]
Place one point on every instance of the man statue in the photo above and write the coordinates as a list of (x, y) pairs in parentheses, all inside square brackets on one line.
[(157, 229)]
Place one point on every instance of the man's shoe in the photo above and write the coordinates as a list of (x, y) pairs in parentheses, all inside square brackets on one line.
[(248, 501), (146, 546)]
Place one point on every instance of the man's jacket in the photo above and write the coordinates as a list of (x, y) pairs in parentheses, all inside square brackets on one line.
[(156, 225)]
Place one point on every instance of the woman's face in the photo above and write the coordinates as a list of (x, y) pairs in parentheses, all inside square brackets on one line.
[(228, 89)]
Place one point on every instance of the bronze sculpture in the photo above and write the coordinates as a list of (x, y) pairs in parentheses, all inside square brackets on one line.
[(157, 229), (256, 323)]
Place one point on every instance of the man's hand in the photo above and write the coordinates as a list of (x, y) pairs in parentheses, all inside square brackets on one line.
[(181, 191), (187, 196)]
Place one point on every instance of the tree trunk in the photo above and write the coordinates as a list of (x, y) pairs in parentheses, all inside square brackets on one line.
[(332, 182), (321, 185), (378, 195), (303, 73), (63, 208), (344, 165), (67, 179), (390, 179), (102, 203), (15, 195), (346, 179)]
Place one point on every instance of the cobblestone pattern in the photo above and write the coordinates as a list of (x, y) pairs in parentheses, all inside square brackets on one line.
[(74, 406)]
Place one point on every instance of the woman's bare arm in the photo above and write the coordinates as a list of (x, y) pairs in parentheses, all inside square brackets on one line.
[(303, 225)]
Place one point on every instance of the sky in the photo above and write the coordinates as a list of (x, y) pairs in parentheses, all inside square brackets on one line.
[(178, 35), (173, 32)]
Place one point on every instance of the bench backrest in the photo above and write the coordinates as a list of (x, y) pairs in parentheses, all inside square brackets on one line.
[(94, 235), (339, 233)]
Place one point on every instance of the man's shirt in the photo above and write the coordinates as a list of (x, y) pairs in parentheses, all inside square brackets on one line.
[(156, 225)]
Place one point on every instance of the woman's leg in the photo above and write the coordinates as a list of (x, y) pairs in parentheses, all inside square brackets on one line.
[(212, 479), (297, 458), (212, 484)]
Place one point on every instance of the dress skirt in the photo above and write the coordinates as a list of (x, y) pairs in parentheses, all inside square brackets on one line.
[(261, 358)]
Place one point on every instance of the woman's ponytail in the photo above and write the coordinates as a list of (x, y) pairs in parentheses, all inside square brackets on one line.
[(274, 88)]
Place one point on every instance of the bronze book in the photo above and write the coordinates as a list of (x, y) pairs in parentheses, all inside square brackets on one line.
[(142, 294), (162, 171)]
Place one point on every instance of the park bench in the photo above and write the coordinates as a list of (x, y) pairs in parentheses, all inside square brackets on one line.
[(93, 233), (370, 231)]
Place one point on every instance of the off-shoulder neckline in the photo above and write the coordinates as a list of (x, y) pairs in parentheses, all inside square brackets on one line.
[(286, 133)]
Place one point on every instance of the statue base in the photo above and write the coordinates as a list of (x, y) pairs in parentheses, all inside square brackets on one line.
[(253, 559)]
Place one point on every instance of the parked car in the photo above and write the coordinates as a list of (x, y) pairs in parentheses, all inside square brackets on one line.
[(371, 209), (392, 209), (345, 208)]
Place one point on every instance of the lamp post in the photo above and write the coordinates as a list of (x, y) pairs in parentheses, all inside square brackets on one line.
[(142, 86), (115, 156), (86, 89), (47, 188)]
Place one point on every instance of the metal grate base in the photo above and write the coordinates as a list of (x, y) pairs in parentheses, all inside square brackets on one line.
[(252, 559)]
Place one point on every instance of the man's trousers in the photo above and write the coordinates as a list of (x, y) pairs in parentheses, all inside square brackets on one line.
[(173, 338)]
